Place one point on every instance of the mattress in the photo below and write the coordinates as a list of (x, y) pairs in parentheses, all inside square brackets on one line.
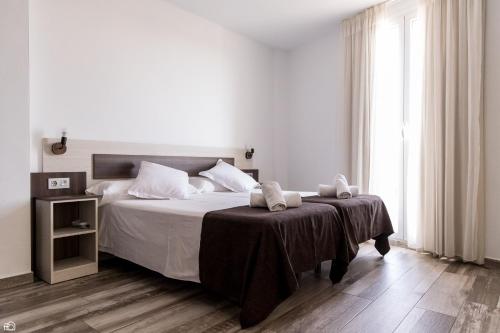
[(162, 235)]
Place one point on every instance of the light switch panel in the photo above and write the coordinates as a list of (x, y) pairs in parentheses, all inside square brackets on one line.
[(58, 183)]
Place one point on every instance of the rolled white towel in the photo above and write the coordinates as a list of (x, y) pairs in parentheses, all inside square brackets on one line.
[(292, 199), (327, 190), (257, 200), (343, 191), (340, 176), (274, 196), (331, 190), (354, 190)]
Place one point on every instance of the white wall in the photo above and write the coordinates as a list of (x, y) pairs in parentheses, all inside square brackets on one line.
[(281, 117), (14, 139), (492, 121), (147, 71), (319, 131)]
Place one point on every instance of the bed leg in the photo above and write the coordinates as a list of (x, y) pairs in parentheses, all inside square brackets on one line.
[(382, 245), (317, 270), (338, 271)]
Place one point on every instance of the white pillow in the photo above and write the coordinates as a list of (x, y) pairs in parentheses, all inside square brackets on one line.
[(230, 177), (156, 181), (193, 190), (111, 190), (205, 185)]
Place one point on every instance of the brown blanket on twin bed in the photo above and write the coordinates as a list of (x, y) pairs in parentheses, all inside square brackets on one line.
[(250, 255), (365, 218)]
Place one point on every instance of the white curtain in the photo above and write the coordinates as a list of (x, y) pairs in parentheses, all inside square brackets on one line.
[(360, 41), (452, 221)]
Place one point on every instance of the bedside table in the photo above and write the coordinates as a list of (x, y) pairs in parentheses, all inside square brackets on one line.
[(65, 252), (254, 173)]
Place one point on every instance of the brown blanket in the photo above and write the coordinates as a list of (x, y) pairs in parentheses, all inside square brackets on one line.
[(250, 255), (365, 218)]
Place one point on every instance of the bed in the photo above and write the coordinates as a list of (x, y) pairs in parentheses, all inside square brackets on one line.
[(249, 255), (365, 218)]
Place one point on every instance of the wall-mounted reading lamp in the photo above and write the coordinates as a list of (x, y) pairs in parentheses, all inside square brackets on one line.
[(249, 153), (59, 148)]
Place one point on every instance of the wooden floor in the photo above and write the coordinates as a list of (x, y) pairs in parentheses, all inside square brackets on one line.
[(403, 292)]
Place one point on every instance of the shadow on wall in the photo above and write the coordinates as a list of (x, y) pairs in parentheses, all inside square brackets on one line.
[(36, 151)]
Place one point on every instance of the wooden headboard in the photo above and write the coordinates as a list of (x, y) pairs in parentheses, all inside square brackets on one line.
[(79, 154), (113, 166)]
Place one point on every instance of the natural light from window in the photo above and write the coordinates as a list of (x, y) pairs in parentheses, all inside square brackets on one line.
[(396, 124), (387, 150)]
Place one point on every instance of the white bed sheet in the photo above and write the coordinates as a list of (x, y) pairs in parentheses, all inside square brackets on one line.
[(162, 235)]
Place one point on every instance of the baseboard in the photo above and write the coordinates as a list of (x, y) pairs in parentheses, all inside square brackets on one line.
[(488, 262), (17, 280)]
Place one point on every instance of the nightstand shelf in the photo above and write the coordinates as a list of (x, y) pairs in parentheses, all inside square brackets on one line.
[(71, 231), (71, 263), (65, 252)]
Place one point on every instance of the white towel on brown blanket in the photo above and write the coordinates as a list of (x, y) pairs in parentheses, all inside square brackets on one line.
[(274, 196), (325, 190), (342, 185), (292, 199)]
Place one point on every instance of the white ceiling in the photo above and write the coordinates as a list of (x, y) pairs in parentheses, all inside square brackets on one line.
[(279, 23)]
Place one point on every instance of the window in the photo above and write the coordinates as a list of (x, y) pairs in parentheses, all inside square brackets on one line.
[(396, 113)]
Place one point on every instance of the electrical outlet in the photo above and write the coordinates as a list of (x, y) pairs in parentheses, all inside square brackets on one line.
[(58, 183)]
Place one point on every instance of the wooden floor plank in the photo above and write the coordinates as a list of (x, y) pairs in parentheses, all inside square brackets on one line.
[(328, 314), (210, 321), (131, 313), (433, 322), (410, 320), (477, 317), (51, 293), (31, 319), (73, 326), (174, 315), (377, 281), (421, 277), (385, 313), (472, 318), (486, 290), (447, 294), (117, 268), (228, 326)]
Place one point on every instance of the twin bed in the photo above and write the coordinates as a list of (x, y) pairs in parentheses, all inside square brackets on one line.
[(250, 255)]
